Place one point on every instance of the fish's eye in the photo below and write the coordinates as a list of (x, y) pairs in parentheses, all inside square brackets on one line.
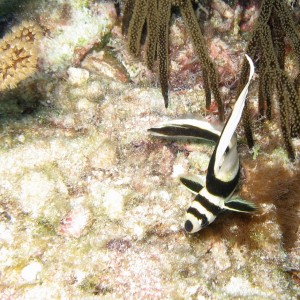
[(188, 226)]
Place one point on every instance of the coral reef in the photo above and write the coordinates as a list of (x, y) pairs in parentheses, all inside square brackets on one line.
[(268, 43), (157, 15), (90, 206), (18, 54)]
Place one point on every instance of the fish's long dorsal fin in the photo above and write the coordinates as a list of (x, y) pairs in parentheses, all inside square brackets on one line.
[(192, 183), (240, 205), (187, 128), (232, 121)]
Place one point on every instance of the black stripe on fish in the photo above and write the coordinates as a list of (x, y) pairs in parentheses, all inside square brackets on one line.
[(191, 184), (201, 217), (240, 205), (219, 187), (209, 206), (223, 187), (185, 131)]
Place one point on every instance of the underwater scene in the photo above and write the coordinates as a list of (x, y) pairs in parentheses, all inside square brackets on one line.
[(149, 149)]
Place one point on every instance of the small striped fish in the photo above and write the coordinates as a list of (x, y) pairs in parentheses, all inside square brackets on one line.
[(215, 194)]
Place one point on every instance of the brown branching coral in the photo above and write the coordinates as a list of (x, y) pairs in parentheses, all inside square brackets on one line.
[(274, 26), (155, 15), (18, 54)]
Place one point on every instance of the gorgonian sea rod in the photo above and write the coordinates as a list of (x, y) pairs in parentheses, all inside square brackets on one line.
[(156, 15)]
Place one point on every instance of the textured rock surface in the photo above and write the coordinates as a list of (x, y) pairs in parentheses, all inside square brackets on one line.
[(90, 205)]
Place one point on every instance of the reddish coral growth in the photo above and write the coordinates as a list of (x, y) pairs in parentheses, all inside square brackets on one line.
[(185, 69), (74, 222), (249, 16), (226, 61), (136, 274), (118, 245)]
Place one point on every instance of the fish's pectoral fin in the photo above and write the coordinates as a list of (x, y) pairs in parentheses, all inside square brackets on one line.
[(192, 183), (187, 128), (238, 204)]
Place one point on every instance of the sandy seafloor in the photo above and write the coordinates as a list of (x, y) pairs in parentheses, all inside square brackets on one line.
[(91, 206)]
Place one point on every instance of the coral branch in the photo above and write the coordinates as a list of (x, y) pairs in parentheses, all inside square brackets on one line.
[(268, 44), (154, 16)]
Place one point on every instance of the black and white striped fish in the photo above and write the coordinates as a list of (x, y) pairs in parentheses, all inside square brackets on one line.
[(215, 194)]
